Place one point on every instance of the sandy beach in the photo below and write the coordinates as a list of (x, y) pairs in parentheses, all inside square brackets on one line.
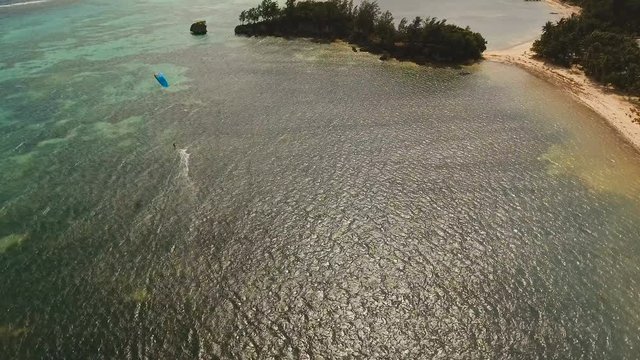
[(617, 109)]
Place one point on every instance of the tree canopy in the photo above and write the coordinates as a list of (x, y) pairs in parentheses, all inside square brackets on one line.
[(421, 40), (601, 39)]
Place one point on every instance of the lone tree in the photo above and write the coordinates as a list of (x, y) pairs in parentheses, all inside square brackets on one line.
[(366, 15), (385, 29), (290, 8), (253, 15), (269, 9)]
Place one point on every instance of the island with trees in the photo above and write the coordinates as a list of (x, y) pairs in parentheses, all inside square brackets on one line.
[(602, 40), (422, 41)]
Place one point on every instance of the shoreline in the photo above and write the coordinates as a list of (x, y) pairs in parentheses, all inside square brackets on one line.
[(563, 9), (619, 112)]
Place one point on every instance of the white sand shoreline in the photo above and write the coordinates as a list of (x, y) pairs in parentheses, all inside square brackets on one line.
[(616, 109)]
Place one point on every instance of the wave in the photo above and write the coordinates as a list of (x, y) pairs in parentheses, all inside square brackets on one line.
[(23, 3)]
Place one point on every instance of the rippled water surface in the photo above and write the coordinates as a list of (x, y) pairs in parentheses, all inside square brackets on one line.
[(318, 203)]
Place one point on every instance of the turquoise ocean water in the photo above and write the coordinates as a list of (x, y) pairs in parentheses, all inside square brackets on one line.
[(318, 203)]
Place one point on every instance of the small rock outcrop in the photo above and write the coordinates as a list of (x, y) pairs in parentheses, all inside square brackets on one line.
[(354, 49), (199, 28)]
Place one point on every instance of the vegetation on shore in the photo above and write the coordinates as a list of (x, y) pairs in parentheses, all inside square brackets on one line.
[(602, 40), (421, 40)]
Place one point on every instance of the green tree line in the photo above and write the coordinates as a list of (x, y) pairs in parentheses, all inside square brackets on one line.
[(602, 39), (419, 40)]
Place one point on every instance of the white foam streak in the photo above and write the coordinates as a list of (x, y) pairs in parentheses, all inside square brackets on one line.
[(24, 3)]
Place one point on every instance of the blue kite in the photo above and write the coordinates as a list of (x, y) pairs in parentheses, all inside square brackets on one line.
[(161, 79)]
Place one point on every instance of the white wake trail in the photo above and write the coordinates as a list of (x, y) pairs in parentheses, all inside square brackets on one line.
[(184, 162)]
